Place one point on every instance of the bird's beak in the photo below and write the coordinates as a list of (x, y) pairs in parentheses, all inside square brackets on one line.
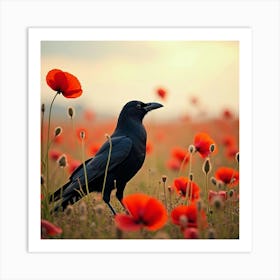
[(152, 106)]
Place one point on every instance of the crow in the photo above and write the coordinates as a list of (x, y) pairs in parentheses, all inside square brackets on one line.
[(127, 145)]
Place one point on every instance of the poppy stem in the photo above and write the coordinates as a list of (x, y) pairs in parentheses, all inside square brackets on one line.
[(182, 164), (48, 144), (107, 164), (84, 166)]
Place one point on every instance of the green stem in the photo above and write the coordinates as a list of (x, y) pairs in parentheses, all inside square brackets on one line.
[(48, 145), (107, 164), (84, 166)]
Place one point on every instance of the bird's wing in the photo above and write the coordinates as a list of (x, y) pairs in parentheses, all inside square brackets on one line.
[(95, 167)]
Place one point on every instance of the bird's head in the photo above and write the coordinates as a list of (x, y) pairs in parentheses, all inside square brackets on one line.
[(137, 109)]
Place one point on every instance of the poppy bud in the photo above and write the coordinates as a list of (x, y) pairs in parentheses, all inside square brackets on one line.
[(42, 180), (206, 168), (213, 181), (71, 112), (62, 161), (43, 108), (231, 193), (237, 157), (192, 149), (212, 148), (191, 176), (163, 178), (57, 131), (199, 205), (217, 202), (82, 134)]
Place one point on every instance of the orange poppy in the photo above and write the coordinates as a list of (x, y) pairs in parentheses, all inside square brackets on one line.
[(49, 229), (202, 143), (72, 165), (65, 83), (54, 154), (181, 185), (228, 176), (93, 149), (145, 211), (189, 214)]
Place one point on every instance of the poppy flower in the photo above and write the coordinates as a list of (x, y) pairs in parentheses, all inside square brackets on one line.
[(173, 164), (228, 141), (161, 92), (191, 233), (202, 143), (228, 176), (54, 155), (181, 185), (64, 82), (180, 154), (194, 100), (227, 114), (145, 211), (49, 229), (190, 214), (231, 152), (220, 194)]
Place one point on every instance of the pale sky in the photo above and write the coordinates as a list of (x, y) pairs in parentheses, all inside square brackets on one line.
[(114, 72)]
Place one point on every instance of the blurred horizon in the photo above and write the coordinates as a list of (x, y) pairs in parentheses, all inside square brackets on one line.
[(201, 78)]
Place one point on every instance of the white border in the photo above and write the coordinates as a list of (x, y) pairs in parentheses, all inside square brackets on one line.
[(243, 35), (263, 260)]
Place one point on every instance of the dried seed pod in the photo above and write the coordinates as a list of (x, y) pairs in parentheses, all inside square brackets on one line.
[(206, 167)]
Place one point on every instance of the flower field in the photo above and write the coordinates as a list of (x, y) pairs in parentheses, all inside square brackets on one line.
[(188, 186)]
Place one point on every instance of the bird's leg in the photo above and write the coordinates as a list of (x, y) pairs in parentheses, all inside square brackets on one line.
[(106, 198), (119, 195), (111, 208)]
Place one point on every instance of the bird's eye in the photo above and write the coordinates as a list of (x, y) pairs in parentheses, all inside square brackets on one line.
[(138, 106)]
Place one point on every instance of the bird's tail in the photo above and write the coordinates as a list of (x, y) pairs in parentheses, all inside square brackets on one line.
[(58, 193)]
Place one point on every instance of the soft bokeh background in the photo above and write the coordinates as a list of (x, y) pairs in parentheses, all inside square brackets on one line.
[(114, 72)]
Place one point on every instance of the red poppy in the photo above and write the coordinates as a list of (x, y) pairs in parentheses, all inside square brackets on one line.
[(228, 176), (180, 154), (188, 214), (54, 154), (202, 143), (73, 164), (65, 83), (227, 114), (219, 194), (49, 229), (94, 148), (191, 233), (228, 141), (161, 92), (149, 148), (173, 164), (182, 184), (145, 211), (231, 152)]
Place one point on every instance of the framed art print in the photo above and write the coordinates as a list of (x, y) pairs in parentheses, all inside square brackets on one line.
[(135, 136)]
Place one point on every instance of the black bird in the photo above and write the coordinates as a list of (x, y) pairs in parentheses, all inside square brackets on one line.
[(127, 157)]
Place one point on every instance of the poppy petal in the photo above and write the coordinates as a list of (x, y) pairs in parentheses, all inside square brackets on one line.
[(74, 87), (126, 223), (135, 204), (155, 214), (57, 80)]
